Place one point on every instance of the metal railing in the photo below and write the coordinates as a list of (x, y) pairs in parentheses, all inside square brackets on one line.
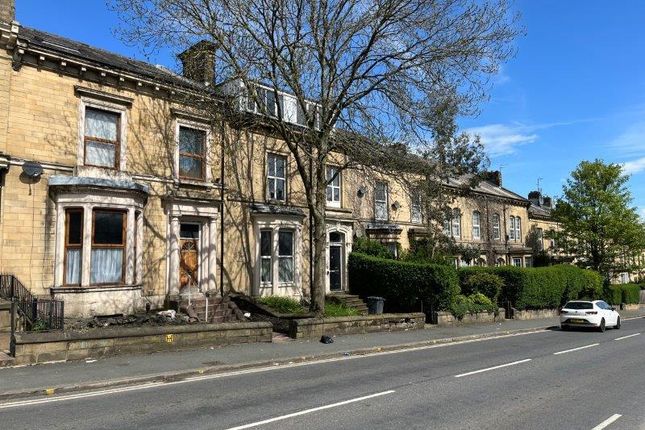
[(32, 313)]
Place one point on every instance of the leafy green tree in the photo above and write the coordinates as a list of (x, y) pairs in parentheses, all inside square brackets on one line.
[(599, 227)]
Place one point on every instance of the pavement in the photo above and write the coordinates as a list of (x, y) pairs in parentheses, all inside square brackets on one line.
[(536, 379), (26, 381)]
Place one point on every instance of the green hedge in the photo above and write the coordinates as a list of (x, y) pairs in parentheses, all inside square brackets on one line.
[(623, 293), (404, 285), (541, 287)]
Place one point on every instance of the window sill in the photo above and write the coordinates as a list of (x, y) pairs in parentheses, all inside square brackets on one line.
[(195, 183)]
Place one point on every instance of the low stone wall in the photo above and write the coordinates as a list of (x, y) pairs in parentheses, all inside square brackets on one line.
[(312, 328), (535, 314), (39, 347), (634, 307), (5, 315), (447, 319)]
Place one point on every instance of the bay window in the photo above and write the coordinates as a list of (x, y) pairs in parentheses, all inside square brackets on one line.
[(73, 246), (285, 256), (108, 247), (266, 252)]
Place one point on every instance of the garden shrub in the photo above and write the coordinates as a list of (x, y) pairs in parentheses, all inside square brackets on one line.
[(631, 294), (374, 248), (404, 285), (473, 303), (540, 287), (615, 294), (488, 284)]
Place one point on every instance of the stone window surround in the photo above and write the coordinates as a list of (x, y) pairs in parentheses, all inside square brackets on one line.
[(476, 226), (196, 124), (100, 200), (116, 105), (334, 203), (286, 176), (274, 223), (348, 233), (205, 214)]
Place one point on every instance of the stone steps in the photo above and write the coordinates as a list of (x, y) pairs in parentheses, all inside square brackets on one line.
[(220, 309), (349, 300)]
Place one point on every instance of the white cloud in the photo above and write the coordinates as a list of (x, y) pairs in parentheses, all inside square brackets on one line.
[(642, 213), (634, 166), (501, 139), (631, 141)]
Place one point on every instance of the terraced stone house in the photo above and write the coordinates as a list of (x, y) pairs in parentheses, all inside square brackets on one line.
[(118, 194)]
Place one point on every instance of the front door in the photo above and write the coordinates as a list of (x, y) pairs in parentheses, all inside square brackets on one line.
[(189, 257), (336, 261)]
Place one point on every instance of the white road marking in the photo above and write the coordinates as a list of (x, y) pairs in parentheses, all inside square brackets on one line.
[(493, 368), (608, 421), (309, 411), (576, 349), (103, 392), (627, 337)]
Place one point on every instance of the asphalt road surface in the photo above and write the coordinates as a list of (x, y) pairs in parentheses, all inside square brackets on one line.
[(544, 380)]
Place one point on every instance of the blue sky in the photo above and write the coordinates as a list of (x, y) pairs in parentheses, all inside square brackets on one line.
[(575, 90)]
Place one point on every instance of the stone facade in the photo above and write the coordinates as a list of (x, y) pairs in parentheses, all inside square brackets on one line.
[(175, 234)]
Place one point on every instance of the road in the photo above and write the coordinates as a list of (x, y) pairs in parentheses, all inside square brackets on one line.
[(544, 380)]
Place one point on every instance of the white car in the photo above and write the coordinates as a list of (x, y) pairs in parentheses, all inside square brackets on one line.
[(581, 313)]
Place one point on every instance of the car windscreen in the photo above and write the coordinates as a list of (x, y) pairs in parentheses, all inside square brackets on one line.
[(579, 305)]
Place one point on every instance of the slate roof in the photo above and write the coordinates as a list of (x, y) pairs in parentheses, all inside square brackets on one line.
[(539, 211), (82, 181), (485, 187), (98, 57)]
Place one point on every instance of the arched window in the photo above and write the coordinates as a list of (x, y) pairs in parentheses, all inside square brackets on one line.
[(511, 231), (476, 225), (496, 227), (518, 229)]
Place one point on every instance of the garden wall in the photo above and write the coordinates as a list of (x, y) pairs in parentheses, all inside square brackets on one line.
[(39, 347), (313, 328)]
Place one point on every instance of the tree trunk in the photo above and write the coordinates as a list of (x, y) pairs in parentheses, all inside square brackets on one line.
[(319, 262), (317, 206)]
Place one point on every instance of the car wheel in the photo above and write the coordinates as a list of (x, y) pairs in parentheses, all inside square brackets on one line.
[(601, 327), (618, 323)]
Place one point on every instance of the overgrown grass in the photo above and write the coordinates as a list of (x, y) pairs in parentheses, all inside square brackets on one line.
[(339, 310), (283, 305)]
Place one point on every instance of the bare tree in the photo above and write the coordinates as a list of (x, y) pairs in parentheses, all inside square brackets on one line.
[(376, 71)]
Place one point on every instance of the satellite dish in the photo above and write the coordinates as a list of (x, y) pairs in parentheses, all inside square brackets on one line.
[(32, 169)]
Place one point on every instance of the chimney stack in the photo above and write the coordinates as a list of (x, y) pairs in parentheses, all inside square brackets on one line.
[(198, 62), (535, 197), (494, 177), (7, 10), (548, 202)]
